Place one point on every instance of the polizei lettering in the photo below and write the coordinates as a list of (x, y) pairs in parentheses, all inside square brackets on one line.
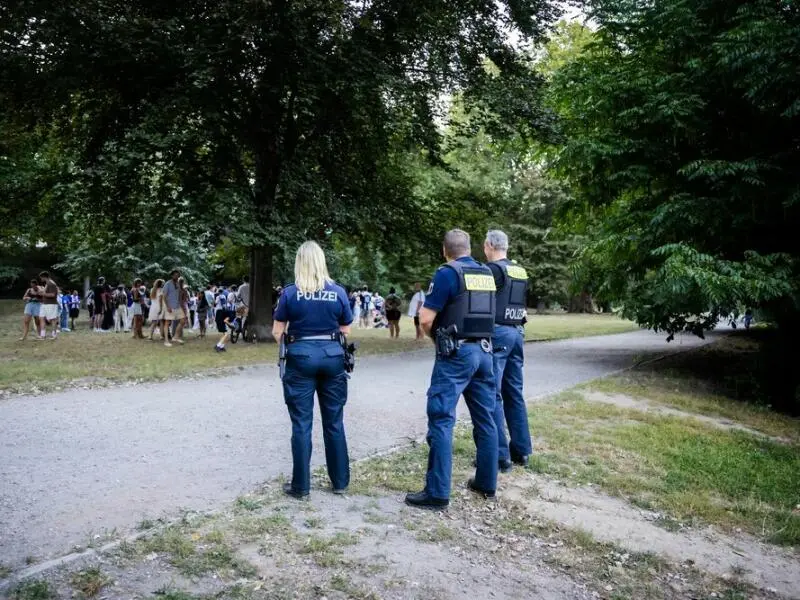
[(318, 296), (515, 314)]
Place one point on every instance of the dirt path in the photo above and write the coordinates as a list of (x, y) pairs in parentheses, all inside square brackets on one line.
[(376, 548), (78, 466)]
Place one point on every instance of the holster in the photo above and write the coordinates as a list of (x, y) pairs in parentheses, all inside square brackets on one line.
[(446, 342), (282, 356), (349, 353)]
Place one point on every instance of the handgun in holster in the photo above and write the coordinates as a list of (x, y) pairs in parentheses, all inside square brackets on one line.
[(349, 353), (446, 341), (282, 356)]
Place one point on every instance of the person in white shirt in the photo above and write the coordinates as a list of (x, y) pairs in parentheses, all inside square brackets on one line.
[(232, 299), (244, 298), (244, 292), (417, 300)]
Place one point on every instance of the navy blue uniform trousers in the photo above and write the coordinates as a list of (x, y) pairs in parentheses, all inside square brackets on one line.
[(317, 366), (510, 408), (468, 372)]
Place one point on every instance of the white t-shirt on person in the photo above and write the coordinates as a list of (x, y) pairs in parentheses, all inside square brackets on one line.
[(418, 298), (244, 294)]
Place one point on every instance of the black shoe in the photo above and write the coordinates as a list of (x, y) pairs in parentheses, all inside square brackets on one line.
[(488, 494), (503, 465), (290, 491), (520, 460), (339, 491), (424, 500)]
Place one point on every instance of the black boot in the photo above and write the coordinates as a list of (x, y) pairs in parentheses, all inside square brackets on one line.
[(424, 500), (290, 491), (488, 494), (520, 460)]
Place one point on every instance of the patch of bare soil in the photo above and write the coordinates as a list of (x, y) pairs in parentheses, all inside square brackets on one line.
[(333, 547), (338, 547)]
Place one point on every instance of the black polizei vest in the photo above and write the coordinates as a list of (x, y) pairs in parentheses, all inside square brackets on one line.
[(512, 295), (472, 311)]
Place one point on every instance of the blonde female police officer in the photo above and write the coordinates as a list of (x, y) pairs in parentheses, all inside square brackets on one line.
[(461, 300), (316, 309)]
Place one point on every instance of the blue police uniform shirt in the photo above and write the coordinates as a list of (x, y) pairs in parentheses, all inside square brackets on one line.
[(445, 285), (316, 313)]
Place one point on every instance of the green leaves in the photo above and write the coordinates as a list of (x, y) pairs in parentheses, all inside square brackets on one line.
[(265, 122), (681, 150)]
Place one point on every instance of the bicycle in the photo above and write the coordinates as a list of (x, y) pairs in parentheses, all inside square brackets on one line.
[(236, 330)]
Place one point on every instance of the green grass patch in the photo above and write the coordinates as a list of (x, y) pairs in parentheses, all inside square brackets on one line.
[(89, 582), (562, 326), (313, 522), (695, 396), (173, 594), (398, 472), (248, 503), (252, 526), (438, 533), (327, 551), (195, 555), (341, 582), (32, 589), (405, 471), (681, 466)]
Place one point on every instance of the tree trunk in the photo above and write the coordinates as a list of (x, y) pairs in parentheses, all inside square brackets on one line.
[(87, 285), (259, 319), (582, 303), (267, 175)]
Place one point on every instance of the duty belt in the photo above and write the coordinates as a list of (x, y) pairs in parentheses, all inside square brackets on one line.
[(486, 344), (329, 337)]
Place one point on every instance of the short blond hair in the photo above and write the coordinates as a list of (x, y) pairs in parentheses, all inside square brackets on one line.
[(310, 268)]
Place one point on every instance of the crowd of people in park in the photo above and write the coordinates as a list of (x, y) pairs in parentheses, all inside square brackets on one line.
[(371, 310), (163, 309)]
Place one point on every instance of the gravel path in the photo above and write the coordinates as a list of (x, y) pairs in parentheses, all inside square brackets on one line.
[(81, 463)]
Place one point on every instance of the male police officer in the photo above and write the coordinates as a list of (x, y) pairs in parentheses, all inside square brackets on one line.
[(509, 341), (459, 313)]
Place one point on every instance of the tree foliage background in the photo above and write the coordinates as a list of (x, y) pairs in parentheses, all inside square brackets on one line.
[(680, 126), (265, 122), (646, 156), (681, 122)]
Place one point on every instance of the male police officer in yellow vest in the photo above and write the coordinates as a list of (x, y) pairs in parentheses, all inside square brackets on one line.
[(459, 313), (509, 351)]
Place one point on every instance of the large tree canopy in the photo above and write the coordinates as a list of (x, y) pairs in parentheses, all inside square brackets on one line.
[(275, 120), (682, 141)]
